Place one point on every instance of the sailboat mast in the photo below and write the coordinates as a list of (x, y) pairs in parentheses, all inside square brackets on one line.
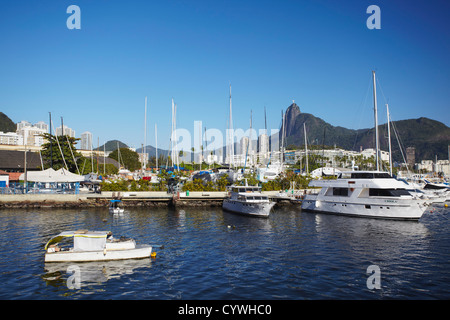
[(389, 138), (51, 140), (171, 136), (376, 120), (265, 120), (176, 139), (231, 135), (283, 131), (156, 146), (250, 139), (145, 135), (306, 148)]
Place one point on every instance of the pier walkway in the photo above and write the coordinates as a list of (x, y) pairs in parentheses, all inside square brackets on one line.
[(150, 198)]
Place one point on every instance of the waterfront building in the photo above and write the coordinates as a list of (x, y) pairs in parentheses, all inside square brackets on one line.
[(32, 135), (26, 134), (11, 138)]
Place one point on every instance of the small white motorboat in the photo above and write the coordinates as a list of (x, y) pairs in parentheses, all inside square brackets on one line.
[(116, 206), (93, 246)]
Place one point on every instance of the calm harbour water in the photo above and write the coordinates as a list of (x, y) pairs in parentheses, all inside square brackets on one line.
[(212, 254)]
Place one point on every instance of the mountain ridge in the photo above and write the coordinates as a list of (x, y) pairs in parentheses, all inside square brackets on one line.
[(430, 138)]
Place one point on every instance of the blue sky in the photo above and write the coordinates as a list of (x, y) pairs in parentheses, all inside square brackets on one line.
[(318, 53)]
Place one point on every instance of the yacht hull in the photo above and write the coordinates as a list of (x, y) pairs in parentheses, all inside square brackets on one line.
[(378, 208), (116, 210), (248, 209), (105, 255)]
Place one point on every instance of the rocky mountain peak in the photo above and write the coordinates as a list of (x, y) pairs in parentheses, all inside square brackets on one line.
[(291, 114)]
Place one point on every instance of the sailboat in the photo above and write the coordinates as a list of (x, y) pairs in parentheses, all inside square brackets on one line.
[(372, 194)]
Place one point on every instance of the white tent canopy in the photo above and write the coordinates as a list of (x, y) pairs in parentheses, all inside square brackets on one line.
[(50, 175)]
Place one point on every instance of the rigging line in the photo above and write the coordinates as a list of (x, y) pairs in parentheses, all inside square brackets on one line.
[(399, 144), (361, 105), (57, 140), (386, 101), (70, 147)]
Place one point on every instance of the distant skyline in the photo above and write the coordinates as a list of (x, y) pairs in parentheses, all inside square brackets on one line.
[(318, 53)]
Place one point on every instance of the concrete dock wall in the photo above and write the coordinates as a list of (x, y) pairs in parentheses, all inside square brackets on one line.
[(138, 199)]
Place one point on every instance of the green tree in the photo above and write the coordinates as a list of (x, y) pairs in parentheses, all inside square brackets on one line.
[(51, 152), (129, 158)]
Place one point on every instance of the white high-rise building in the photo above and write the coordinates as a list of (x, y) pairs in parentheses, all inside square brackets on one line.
[(244, 146), (264, 145), (42, 125), (86, 141), (67, 132), (23, 124)]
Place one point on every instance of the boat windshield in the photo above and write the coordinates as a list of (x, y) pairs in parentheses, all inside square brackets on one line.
[(252, 197), (366, 175), (246, 189)]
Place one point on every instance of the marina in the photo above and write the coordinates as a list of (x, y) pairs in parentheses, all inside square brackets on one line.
[(213, 254), (143, 154)]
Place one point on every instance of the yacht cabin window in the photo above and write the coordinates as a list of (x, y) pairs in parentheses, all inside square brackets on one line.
[(374, 192), (370, 175), (342, 192)]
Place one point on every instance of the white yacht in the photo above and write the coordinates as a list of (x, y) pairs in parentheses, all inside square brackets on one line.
[(249, 201), (372, 194)]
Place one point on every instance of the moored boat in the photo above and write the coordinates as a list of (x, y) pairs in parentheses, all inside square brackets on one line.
[(371, 194), (116, 206), (84, 245), (249, 201)]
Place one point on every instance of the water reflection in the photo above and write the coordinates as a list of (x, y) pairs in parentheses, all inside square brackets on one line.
[(212, 254), (91, 273), (362, 227)]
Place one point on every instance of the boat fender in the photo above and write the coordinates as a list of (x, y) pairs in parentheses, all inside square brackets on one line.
[(104, 252), (153, 255)]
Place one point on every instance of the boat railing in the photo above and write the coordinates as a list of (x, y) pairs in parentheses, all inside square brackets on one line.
[(41, 188)]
